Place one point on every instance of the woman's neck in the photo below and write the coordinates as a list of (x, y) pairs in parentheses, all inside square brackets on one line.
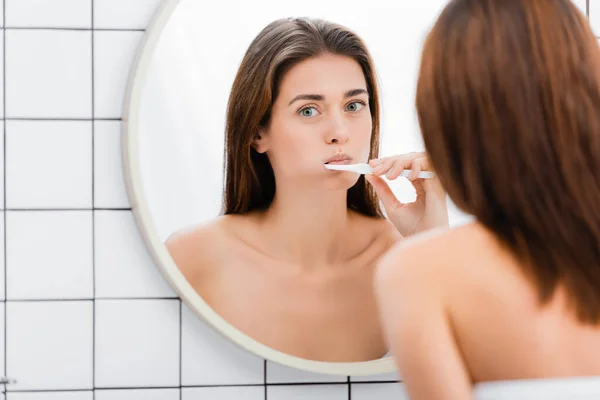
[(307, 226)]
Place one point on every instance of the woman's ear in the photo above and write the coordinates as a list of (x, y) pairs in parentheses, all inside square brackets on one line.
[(259, 142)]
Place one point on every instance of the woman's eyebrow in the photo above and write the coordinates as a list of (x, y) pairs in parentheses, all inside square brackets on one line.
[(320, 97)]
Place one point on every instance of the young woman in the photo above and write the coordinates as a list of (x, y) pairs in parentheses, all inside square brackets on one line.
[(291, 260), (508, 99)]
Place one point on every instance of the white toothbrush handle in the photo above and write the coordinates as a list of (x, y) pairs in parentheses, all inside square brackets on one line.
[(422, 174)]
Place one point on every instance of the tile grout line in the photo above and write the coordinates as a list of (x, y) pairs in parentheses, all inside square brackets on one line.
[(59, 119), (93, 212), (349, 389), (243, 385), (265, 377), (4, 188), (35, 28)]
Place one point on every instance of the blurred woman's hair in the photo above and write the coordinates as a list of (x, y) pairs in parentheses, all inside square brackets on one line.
[(508, 100)]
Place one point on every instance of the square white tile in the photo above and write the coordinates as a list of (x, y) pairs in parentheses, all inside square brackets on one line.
[(379, 391), (392, 376), (138, 394), (48, 74), (2, 266), (49, 13), (1, 72), (210, 359), (594, 16), (48, 164), (109, 181), (49, 345), (113, 56), (2, 341), (2, 13), (52, 396), (124, 267), (124, 14), (582, 5), (277, 373), (49, 255), (2, 162), (224, 393), (137, 343), (308, 392)]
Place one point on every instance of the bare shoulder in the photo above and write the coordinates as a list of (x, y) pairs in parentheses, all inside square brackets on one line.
[(432, 258), (196, 249)]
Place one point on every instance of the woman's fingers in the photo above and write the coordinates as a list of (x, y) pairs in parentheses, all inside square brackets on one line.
[(393, 166), (384, 192)]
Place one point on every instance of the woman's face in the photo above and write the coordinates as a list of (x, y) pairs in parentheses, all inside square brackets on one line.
[(321, 114)]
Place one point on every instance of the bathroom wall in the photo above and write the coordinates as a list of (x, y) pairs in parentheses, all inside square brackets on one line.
[(84, 314)]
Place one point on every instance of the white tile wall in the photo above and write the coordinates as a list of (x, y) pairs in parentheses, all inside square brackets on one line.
[(379, 391), (308, 392), (49, 344), (137, 394), (594, 15), (56, 172), (224, 393), (87, 395), (49, 255), (46, 13), (87, 315), (48, 73)]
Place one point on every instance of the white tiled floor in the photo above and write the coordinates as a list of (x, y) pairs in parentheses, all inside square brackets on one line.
[(49, 255), (137, 343), (49, 164), (49, 13), (49, 345), (48, 74)]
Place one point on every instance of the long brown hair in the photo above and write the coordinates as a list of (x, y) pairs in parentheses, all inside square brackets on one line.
[(249, 177), (508, 100)]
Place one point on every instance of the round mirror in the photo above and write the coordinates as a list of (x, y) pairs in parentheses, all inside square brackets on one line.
[(203, 151)]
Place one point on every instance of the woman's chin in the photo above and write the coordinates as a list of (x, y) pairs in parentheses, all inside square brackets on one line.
[(342, 181)]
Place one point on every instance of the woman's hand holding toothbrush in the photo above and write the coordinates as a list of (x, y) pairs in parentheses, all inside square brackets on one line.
[(428, 211)]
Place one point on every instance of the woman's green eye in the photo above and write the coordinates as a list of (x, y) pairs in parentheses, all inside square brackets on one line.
[(356, 106), (308, 111)]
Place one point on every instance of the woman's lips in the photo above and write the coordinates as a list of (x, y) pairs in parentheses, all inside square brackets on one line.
[(341, 162)]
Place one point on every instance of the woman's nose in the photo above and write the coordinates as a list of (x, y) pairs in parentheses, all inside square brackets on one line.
[(338, 133)]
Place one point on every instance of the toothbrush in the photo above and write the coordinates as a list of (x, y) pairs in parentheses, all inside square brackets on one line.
[(366, 169)]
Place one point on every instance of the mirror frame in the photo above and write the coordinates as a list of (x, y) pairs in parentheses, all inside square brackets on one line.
[(143, 218)]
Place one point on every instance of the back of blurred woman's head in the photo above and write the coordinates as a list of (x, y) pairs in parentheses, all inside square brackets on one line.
[(508, 100)]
